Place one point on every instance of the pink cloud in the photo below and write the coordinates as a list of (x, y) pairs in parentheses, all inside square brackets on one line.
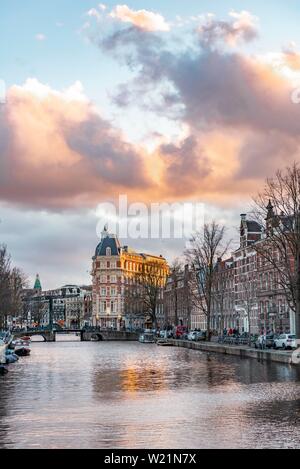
[(242, 26), (57, 151), (143, 19)]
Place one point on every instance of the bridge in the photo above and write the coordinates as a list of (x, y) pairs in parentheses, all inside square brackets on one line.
[(86, 335)]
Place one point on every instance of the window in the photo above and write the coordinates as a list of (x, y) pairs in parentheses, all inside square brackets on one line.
[(103, 279), (103, 265), (103, 291), (113, 265), (108, 251), (113, 279), (113, 291)]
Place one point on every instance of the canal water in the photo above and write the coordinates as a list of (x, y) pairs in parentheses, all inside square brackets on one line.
[(131, 395)]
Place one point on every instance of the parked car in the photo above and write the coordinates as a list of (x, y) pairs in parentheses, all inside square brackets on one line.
[(285, 341), (193, 336), (181, 332), (166, 334), (196, 336), (267, 341)]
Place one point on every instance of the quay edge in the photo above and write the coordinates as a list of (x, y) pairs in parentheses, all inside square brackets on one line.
[(289, 358)]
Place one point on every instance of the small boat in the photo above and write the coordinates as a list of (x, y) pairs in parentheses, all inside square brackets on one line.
[(26, 339), (164, 343), (147, 338), (11, 357), (22, 348), (3, 347), (3, 370)]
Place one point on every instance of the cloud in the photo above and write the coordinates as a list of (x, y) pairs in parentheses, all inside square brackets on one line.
[(242, 27), (185, 162), (57, 151), (238, 120), (242, 124), (93, 12), (40, 37), (291, 57), (142, 19)]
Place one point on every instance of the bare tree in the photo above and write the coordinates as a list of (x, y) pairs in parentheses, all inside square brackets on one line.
[(248, 298), (278, 207), (12, 282), (205, 249), (219, 298), (5, 286), (175, 274), (39, 307), (143, 291), (18, 281)]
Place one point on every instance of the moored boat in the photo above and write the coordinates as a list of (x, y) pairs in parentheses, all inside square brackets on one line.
[(26, 339), (164, 343), (22, 348), (3, 348), (3, 370), (147, 338)]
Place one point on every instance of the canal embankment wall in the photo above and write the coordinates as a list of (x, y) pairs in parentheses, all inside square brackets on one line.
[(289, 358)]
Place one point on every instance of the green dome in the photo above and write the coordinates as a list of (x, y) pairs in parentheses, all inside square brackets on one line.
[(37, 284)]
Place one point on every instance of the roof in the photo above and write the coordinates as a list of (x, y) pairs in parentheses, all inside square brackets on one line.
[(37, 283), (108, 241), (253, 226)]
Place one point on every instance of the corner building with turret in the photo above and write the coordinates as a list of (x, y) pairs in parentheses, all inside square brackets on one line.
[(114, 267)]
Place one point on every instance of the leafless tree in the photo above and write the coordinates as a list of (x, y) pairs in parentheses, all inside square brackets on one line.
[(219, 298), (248, 298), (39, 306), (143, 292), (18, 281), (5, 293), (12, 282), (176, 272), (278, 208), (205, 249)]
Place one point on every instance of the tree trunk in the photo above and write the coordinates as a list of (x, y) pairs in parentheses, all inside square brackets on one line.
[(176, 304), (297, 312), (208, 317)]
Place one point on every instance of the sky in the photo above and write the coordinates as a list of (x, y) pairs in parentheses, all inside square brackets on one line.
[(164, 102)]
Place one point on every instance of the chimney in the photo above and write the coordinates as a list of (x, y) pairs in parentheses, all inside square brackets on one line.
[(243, 216)]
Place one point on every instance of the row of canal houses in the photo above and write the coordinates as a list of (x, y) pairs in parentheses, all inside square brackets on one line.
[(246, 287)]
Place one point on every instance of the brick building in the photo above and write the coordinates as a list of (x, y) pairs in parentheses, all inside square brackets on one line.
[(246, 289), (114, 269)]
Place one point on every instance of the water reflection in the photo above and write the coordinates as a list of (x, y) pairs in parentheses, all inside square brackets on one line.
[(118, 395)]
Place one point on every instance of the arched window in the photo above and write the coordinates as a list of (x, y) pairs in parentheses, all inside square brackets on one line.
[(108, 251)]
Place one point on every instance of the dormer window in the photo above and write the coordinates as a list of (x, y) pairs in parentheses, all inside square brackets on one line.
[(108, 251)]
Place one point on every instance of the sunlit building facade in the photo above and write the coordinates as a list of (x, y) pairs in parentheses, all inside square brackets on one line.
[(114, 268)]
